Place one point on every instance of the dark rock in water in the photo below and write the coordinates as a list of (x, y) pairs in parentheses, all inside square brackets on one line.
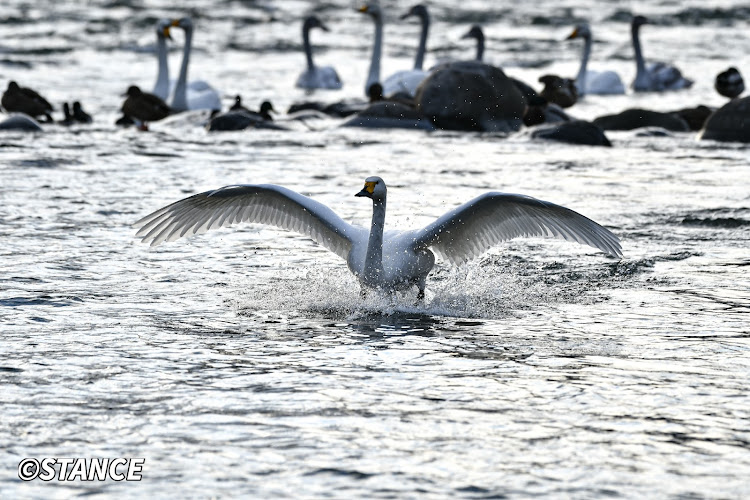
[(730, 123), (239, 120), (729, 83), (695, 117), (636, 118), (470, 95), (20, 121), (653, 132), (573, 132), (386, 114)]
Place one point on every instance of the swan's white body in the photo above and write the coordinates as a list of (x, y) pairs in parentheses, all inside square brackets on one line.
[(316, 77), (594, 82), (197, 94), (384, 260), (657, 76), (401, 81)]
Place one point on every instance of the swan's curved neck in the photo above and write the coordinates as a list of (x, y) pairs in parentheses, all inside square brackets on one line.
[(419, 61), (161, 88), (581, 78), (179, 101), (308, 47), (377, 49), (640, 64), (374, 257), (480, 46)]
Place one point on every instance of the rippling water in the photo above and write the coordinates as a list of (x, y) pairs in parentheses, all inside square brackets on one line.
[(244, 363)]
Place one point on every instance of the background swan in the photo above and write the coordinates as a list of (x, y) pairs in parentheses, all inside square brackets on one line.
[(477, 33), (316, 77), (657, 76), (408, 80), (594, 82), (382, 260), (199, 95)]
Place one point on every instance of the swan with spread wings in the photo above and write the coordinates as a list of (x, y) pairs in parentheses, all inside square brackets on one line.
[(381, 260)]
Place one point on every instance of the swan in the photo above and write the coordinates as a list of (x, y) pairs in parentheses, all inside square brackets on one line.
[(316, 77), (408, 80), (656, 76), (594, 82), (199, 94), (382, 260), (477, 33)]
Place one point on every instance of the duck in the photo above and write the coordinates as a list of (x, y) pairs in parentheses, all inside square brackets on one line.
[(594, 82), (391, 112), (407, 81), (198, 94), (477, 33), (729, 83), (656, 76), (558, 90), (144, 107), (386, 261), (25, 100), (79, 114), (316, 77), (67, 115), (241, 118)]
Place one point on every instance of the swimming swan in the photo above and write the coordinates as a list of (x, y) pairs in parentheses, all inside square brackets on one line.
[(198, 94), (408, 80), (477, 33), (657, 76), (381, 260), (594, 82), (316, 77)]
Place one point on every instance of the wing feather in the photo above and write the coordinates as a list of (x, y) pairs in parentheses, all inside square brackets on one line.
[(473, 228), (263, 203)]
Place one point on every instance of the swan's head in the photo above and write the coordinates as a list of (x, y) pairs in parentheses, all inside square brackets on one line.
[(314, 22), (162, 28), (638, 21), (184, 22), (374, 189), (580, 31), (474, 32), (373, 9), (419, 11)]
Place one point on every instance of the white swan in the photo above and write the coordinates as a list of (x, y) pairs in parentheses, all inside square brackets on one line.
[(477, 33), (199, 94), (316, 77), (594, 82), (382, 260), (408, 80), (657, 76)]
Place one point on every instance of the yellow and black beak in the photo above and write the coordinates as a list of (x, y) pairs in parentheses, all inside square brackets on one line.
[(367, 190), (573, 35), (175, 23), (166, 32), (364, 8)]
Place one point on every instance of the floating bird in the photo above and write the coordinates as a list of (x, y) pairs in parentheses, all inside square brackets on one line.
[(316, 77), (729, 83), (144, 107), (594, 82), (199, 94), (476, 33), (382, 260), (80, 115), (68, 116), (240, 118), (558, 90), (25, 100), (407, 81), (657, 76)]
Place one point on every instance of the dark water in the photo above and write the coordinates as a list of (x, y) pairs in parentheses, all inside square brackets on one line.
[(244, 363)]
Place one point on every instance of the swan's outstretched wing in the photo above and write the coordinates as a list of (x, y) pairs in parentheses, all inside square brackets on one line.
[(263, 203), (471, 229)]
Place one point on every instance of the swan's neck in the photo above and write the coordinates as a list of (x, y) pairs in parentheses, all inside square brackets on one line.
[(480, 46), (581, 78), (161, 88), (640, 64), (308, 47), (179, 101), (377, 49), (419, 61), (374, 257)]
